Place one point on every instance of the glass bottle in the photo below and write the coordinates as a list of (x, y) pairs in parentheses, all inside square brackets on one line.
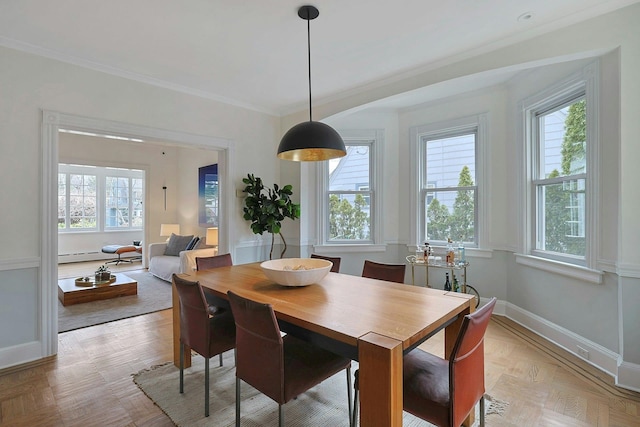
[(456, 286), (447, 283), (461, 255), (419, 254), (450, 253)]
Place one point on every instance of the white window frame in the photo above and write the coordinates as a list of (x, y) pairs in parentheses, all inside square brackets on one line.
[(585, 82), (478, 124), (101, 174), (375, 139)]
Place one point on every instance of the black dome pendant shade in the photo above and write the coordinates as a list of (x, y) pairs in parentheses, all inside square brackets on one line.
[(310, 141)]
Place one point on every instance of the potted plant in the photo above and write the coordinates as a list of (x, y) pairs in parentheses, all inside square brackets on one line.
[(103, 274), (267, 209)]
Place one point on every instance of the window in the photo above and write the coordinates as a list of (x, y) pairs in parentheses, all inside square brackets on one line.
[(83, 189), (559, 180), (445, 158), (77, 199), (560, 151), (348, 193)]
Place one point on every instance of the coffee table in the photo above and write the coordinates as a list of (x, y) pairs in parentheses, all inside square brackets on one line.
[(69, 293)]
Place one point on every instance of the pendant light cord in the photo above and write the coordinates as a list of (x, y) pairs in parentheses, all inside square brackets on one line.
[(309, 60)]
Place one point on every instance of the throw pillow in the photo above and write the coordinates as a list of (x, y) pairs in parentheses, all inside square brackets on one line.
[(176, 244), (193, 243)]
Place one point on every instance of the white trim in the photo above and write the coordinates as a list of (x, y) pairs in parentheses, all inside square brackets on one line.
[(376, 162), (586, 80), (20, 354), (600, 357), (19, 263), (51, 122), (559, 267), (348, 248), (480, 122), (628, 376)]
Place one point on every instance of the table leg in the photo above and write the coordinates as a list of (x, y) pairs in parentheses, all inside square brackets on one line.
[(176, 331), (380, 379)]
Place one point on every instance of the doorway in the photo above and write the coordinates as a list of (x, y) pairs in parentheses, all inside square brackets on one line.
[(52, 121)]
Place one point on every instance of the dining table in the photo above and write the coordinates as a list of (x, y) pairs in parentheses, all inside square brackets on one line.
[(374, 322)]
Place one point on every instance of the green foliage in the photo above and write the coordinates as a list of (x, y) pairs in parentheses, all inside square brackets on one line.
[(267, 210), (460, 223), (575, 137), (347, 221)]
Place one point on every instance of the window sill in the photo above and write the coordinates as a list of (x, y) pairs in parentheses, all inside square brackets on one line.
[(348, 248), (570, 270)]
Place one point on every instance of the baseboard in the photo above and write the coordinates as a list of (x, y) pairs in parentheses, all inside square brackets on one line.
[(598, 356), (20, 354), (628, 376)]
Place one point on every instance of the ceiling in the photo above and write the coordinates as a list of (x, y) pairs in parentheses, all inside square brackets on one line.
[(253, 53)]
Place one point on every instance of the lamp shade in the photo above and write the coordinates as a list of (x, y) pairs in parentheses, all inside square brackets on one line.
[(212, 236), (167, 229), (311, 141)]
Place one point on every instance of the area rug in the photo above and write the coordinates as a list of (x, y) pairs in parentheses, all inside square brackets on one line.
[(323, 405), (153, 295)]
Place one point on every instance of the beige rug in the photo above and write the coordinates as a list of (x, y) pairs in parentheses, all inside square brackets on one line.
[(324, 405)]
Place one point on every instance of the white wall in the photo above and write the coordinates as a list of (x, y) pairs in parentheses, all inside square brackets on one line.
[(29, 84)]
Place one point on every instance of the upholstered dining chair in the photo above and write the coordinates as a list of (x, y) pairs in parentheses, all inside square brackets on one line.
[(380, 271), (279, 367), (216, 305), (207, 334), (335, 260), (444, 392)]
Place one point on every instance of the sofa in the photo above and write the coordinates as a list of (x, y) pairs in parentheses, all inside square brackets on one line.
[(163, 266)]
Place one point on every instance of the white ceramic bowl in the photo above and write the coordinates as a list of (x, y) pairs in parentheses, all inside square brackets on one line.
[(296, 271)]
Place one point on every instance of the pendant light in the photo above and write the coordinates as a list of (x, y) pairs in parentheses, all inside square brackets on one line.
[(310, 141)]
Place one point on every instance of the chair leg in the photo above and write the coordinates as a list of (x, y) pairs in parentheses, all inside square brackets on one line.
[(181, 368), (206, 386), (237, 402), (356, 395), (280, 416), (220, 359), (349, 394), (482, 411)]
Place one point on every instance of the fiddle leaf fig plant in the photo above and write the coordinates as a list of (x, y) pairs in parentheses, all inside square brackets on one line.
[(266, 208)]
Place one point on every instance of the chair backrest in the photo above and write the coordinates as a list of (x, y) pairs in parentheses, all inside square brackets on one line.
[(466, 364), (388, 272), (205, 263), (259, 346), (335, 260), (194, 315)]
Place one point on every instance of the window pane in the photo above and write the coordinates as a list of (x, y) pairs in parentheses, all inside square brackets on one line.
[(446, 158), (117, 202), (349, 217), (563, 137), (82, 201), (352, 171), (564, 217), (450, 214), (137, 195), (62, 200)]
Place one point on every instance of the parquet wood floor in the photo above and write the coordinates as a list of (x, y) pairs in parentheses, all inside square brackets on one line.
[(89, 382)]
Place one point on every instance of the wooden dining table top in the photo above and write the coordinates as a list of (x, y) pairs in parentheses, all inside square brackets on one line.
[(344, 307)]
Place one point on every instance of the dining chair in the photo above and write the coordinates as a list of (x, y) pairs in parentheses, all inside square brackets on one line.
[(380, 271), (206, 334), (335, 260), (217, 305), (444, 392), (279, 367)]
